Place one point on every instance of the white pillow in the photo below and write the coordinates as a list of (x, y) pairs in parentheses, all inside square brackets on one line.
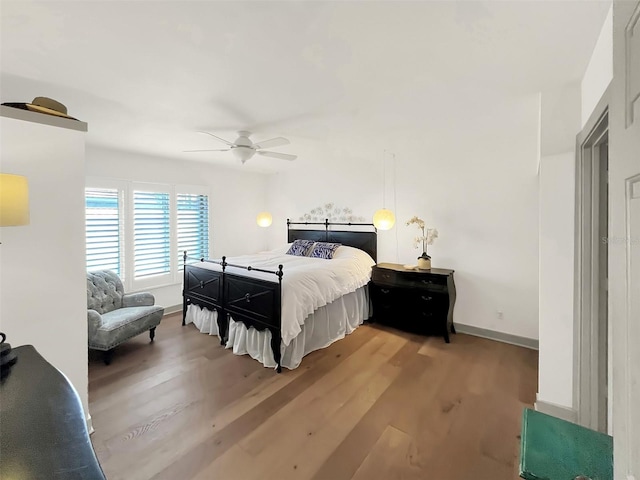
[(354, 253)]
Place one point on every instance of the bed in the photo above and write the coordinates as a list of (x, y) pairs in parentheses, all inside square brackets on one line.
[(278, 308)]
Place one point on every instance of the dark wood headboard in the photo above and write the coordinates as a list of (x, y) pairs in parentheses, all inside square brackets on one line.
[(366, 241)]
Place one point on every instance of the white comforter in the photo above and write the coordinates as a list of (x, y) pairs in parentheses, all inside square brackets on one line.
[(308, 283)]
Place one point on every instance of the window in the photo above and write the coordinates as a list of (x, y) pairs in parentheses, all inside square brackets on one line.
[(103, 229), (193, 226), (151, 234), (140, 230)]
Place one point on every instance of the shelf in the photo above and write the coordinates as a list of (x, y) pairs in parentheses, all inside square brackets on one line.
[(42, 118)]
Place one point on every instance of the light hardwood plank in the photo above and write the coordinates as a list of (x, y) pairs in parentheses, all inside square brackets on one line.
[(392, 457), (380, 404)]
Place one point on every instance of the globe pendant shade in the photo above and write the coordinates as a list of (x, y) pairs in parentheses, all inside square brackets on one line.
[(384, 219), (264, 219)]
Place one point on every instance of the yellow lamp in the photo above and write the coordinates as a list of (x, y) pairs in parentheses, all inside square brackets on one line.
[(14, 200), (264, 219), (384, 219)]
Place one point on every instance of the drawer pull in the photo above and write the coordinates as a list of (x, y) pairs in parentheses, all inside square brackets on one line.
[(426, 299), (201, 284), (384, 290), (247, 297), (386, 276), (427, 282)]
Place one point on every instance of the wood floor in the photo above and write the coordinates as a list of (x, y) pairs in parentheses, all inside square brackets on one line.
[(380, 404)]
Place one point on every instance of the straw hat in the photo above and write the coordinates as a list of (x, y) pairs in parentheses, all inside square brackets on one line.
[(48, 105), (43, 105)]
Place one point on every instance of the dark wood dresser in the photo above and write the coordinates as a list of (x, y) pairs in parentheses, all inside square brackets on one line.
[(419, 301), (43, 432)]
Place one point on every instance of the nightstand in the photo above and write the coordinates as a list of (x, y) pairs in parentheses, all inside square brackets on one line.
[(419, 301)]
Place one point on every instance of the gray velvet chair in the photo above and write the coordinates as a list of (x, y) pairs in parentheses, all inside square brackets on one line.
[(114, 316)]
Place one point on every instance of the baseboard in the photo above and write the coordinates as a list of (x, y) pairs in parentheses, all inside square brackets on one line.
[(173, 309), (89, 424), (498, 336), (558, 411)]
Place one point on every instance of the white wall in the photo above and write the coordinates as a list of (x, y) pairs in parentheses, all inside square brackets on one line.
[(565, 111), (236, 197), (557, 220), (599, 72), (43, 282), (560, 119), (474, 179), (560, 113)]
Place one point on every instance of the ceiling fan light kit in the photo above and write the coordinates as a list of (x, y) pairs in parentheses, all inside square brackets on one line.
[(243, 148), (243, 153)]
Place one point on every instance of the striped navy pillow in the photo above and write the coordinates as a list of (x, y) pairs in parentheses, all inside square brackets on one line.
[(300, 248), (324, 250)]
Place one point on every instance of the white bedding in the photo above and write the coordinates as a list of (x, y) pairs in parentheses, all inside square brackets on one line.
[(323, 327), (307, 283)]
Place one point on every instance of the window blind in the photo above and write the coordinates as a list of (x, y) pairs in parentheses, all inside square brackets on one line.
[(103, 229), (192, 225), (151, 233)]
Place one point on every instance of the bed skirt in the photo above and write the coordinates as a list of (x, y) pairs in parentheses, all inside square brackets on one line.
[(323, 327)]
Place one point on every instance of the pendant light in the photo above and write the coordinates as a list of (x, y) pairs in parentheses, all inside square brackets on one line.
[(384, 219), (264, 219)]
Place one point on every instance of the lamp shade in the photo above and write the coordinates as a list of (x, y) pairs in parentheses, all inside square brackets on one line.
[(14, 200), (264, 219), (243, 153), (384, 219)]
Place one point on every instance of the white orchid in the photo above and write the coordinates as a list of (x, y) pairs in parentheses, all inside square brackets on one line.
[(427, 236), (432, 234), (417, 221)]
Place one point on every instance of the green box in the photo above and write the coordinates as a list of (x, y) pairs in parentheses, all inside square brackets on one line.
[(554, 449)]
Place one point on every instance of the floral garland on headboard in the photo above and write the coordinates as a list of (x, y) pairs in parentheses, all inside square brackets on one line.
[(333, 213)]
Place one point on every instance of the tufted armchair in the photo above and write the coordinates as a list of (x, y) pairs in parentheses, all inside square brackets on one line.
[(114, 316)]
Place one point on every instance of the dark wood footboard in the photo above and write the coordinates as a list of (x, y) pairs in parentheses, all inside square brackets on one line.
[(252, 301), (204, 287), (257, 304)]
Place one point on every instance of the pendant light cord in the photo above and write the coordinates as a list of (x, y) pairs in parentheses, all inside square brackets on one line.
[(384, 178), (395, 202)]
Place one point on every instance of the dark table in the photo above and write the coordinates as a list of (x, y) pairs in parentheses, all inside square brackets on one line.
[(420, 301), (43, 432)]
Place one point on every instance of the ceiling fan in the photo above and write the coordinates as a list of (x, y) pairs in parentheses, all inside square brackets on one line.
[(243, 148)]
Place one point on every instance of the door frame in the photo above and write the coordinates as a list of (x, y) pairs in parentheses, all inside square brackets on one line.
[(588, 357)]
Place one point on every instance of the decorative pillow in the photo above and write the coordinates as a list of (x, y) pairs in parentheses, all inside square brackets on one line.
[(324, 250), (300, 248)]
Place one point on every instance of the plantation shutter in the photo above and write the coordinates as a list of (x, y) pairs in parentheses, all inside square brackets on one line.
[(151, 233), (193, 225), (102, 214)]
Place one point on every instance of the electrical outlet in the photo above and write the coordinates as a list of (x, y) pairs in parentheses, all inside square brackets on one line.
[(500, 314)]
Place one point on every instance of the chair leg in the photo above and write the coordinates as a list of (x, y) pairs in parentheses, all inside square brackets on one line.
[(107, 356), (152, 333)]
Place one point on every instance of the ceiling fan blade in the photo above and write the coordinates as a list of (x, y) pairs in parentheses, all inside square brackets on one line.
[(222, 150), (215, 136), (282, 156), (273, 142)]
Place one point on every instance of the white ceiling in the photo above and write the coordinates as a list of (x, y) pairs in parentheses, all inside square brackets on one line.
[(147, 75)]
